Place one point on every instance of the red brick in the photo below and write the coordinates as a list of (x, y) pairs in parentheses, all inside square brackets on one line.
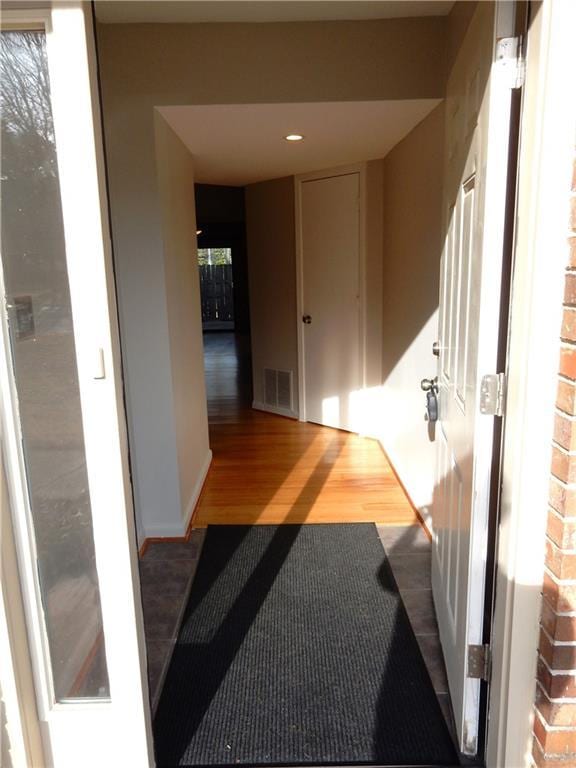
[(560, 595), (563, 465), (556, 686), (553, 742), (572, 253), (568, 331), (561, 563), (566, 397), (554, 713), (557, 656), (561, 531), (570, 290), (562, 498), (542, 761), (558, 626), (568, 361), (565, 432)]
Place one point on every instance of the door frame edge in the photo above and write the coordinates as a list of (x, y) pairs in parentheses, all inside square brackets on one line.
[(546, 153)]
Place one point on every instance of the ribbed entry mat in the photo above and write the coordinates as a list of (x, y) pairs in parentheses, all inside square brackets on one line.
[(296, 649)]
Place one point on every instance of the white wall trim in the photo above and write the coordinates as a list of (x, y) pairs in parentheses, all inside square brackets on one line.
[(541, 252), (197, 490), (290, 414), (343, 170), (173, 529)]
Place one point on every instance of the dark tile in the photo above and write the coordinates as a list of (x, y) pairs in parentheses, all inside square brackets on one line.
[(161, 615), (446, 707), (420, 608), (173, 550), (401, 539), (158, 653), (432, 653), (165, 577), (411, 571)]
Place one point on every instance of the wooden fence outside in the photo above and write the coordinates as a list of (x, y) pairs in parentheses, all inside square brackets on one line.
[(217, 294)]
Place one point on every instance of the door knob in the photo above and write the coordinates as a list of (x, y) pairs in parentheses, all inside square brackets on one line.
[(429, 385), (306, 319)]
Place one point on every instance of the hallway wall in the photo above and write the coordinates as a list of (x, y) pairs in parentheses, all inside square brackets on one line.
[(190, 415), (413, 240), (271, 237), (147, 65)]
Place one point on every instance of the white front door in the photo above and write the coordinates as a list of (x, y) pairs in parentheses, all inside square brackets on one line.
[(476, 157), (63, 425), (330, 227)]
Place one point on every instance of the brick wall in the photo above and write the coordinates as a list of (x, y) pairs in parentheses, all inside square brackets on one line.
[(555, 716)]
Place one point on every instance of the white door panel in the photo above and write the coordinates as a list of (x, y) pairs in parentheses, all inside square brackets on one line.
[(330, 221), (477, 132)]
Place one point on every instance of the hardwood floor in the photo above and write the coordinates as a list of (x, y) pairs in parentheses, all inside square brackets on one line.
[(268, 469)]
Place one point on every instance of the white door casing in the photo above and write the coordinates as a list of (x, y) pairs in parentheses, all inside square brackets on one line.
[(88, 732), (330, 297), (476, 158)]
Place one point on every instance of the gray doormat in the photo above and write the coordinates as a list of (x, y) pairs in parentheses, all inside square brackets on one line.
[(296, 649)]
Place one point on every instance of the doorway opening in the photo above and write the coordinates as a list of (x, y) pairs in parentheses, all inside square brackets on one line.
[(225, 303), (312, 476), (278, 490)]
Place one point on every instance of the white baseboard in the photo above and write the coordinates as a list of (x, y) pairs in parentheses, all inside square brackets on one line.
[(274, 409), (424, 511), (175, 529), (197, 490)]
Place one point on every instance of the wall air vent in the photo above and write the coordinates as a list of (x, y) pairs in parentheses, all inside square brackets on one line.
[(278, 388)]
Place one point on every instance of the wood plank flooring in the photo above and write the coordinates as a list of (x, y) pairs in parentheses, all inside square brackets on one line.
[(269, 470)]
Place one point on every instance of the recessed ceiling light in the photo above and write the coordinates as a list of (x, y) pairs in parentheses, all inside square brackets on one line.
[(198, 231), (294, 137)]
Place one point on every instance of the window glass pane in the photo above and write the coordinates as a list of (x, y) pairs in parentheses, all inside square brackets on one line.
[(44, 361)]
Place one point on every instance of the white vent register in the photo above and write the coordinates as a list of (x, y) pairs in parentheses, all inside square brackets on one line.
[(278, 388)]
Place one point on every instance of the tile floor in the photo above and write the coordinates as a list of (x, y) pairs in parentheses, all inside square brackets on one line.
[(409, 552), (167, 570), (166, 573)]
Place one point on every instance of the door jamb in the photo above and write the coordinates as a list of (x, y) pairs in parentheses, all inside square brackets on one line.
[(343, 170), (546, 154)]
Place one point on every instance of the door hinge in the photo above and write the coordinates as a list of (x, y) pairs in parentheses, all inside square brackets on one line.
[(492, 394), (479, 662), (511, 60)]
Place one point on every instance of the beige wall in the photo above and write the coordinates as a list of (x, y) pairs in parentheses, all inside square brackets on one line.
[(270, 233), (169, 64), (144, 66), (374, 272), (412, 248), (176, 194)]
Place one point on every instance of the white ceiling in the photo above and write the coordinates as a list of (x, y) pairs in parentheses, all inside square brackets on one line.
[(195, 11), (240, 144)]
